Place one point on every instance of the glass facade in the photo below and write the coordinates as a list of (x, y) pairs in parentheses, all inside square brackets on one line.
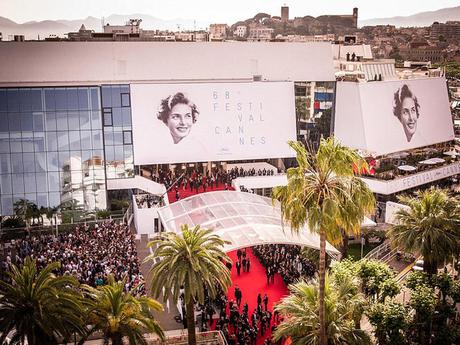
[(118, 138), (51, 147)]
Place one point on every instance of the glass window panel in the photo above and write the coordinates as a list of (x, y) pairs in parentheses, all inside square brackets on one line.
[(4, 122), (109, 153), (7, 205), (64, 159), (74, 138), (54, 199), (60, 98), (32, 197), (86, 155), (85, 120), (14, 122), (42, 199), (117, 137), (35, 98), (119, 155), (116, 98), (5, 184), (96, 120), (52, 161), (30, 184), (73, 118), (51, 141), (95, 99), (108, 119), (53, 181), (126, 117), (39, 141), (127, 137), (129, 154), (124, 88), (85, 140), (4, 143), (38, 122), (16, 162), (83, 101), (27, 142), (50, 102), (63, 140), (117, 120), (40, 161), (97, 139), (3, 100), (24, 100), (27, 122), (42, 184), (106, 96), (5, 165), (29, 162), (50, 121), (125, 102), (18, 183), (108, 136), (61, 121), (98, 154), (75, 159), (72, 98), (13, 100), (15, 142)]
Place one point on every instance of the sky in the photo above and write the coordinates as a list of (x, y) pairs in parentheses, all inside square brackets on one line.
[(223, 11)]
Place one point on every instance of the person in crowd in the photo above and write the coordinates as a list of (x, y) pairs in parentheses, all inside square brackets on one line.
[(238, 267)]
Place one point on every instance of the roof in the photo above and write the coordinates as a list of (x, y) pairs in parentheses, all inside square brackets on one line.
[(244, 219)]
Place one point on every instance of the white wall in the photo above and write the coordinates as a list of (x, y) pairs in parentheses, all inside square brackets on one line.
[(89, 63)]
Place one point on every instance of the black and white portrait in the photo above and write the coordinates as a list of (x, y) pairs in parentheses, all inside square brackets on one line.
[(179, 114), (407, 109)]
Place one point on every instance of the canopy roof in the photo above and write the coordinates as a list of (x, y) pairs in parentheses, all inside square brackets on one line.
[(244, 219)]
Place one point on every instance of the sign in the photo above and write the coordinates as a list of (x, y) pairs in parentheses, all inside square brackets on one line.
[(415, 180), (392, 116), (176, 123)]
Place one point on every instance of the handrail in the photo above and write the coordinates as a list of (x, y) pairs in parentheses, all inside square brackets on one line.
[(374, 253)]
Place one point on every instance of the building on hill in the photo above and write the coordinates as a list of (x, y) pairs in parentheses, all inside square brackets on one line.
[(260, 33), (284, 13), (218, 32), (448, 30)]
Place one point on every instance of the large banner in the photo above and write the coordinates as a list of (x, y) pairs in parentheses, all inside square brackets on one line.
[(175, 123), (386, 117)]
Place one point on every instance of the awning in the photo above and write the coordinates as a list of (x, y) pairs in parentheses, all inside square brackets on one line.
[(244, 219), (407, 168)]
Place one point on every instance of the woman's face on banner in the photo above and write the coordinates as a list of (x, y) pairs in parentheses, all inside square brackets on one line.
[(180, 121), (409, 117)]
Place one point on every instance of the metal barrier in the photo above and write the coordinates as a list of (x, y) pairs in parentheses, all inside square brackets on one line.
[(203, 338), (379, 251)]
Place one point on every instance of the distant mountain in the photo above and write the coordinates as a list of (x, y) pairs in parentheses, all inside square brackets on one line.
[(419, 19), (42, 29)]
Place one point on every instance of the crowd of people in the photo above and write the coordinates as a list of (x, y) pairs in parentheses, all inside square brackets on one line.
[(198, 182), (148, 200), (285, 260), (90, 253), (239, 325)]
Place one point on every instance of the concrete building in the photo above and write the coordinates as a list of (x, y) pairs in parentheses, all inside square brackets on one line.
[(260, 33), (284, 13), (218, 32), (448, 30), (241, 31)]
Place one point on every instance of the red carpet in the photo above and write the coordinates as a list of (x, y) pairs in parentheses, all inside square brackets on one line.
[(187, 192), (253, 283)]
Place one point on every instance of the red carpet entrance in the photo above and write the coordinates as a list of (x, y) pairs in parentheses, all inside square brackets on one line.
[(253, 283), (187, 192)]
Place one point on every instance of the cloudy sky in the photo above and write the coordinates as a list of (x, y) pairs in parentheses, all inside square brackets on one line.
[(226, 11)]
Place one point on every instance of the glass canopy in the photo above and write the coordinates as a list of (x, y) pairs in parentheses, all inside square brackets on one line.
[(242, 218)]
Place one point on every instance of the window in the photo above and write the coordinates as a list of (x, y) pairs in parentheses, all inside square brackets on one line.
[(127, 137), (125, 102), (107, 117)]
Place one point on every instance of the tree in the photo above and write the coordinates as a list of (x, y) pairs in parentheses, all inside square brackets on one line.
[(391, 321), (431, 227), (344, 309), (51, 213), (193, 260), (39, 307), (25, 209), (118, 314), (320, 191)]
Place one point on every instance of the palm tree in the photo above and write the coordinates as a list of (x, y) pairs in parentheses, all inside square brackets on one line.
[(344, 309), (193, 260), (430, 226), (25, 209), (38, 306), (118, 314), (324, 194)]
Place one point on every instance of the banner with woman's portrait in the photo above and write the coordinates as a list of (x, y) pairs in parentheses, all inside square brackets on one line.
[(383, 117), (175, 123)]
